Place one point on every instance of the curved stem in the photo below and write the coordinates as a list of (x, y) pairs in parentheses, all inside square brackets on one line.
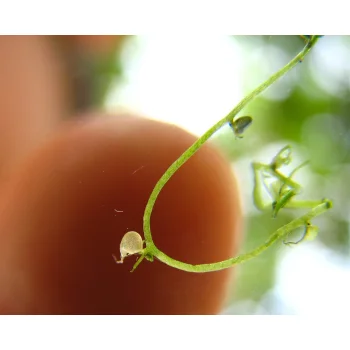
[(151, 248), (195, 147), (280, 233)]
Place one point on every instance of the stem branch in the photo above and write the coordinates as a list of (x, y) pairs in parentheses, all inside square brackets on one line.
[(280, 233)]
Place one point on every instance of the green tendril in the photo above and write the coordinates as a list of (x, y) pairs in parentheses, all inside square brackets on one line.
[(151, 251)]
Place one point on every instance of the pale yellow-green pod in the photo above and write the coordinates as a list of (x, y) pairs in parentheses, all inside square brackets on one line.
[(130, 244), (311, 232)]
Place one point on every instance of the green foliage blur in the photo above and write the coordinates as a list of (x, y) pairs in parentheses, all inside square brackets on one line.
[(308, 109)]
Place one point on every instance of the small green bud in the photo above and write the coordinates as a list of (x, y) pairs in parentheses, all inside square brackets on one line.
[(239, 125)]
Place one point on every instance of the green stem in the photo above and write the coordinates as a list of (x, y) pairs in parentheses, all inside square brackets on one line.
[(193, 149), (138, 262), (302, 204), (280, 233), (285, 179)]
